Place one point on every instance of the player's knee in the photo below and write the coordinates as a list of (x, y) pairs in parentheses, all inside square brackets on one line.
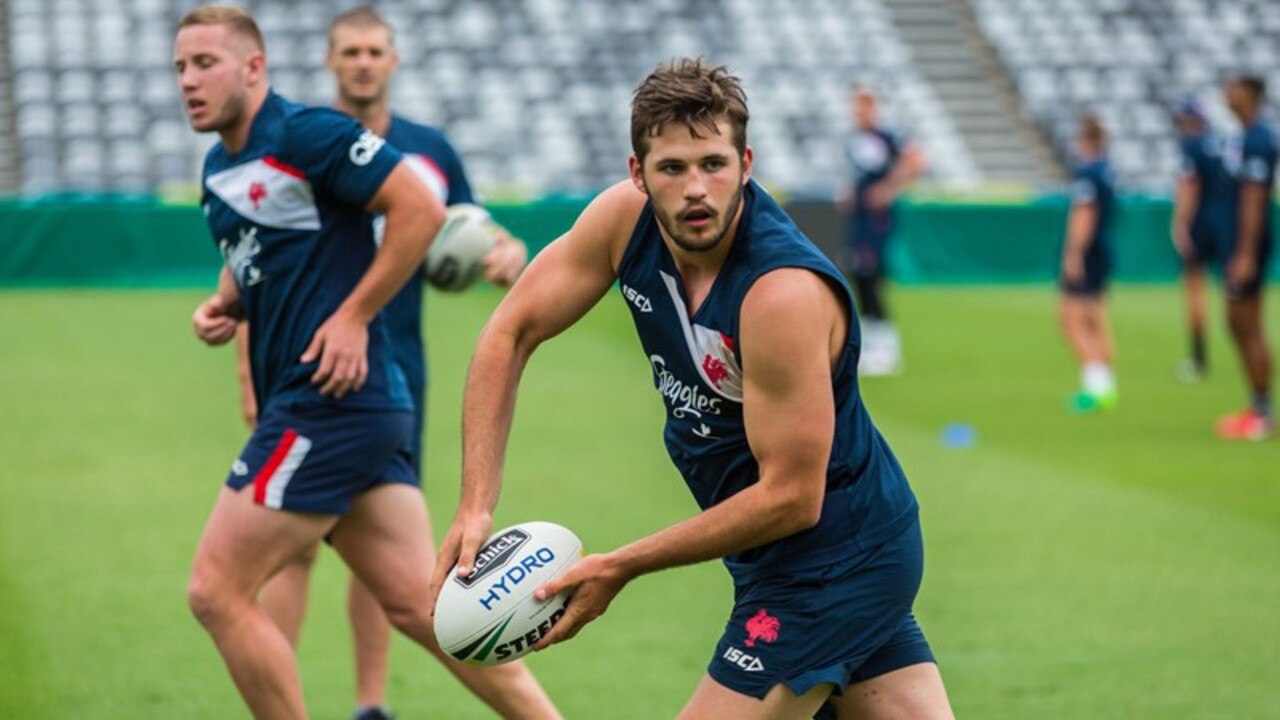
[(412, 620), (208, 600)]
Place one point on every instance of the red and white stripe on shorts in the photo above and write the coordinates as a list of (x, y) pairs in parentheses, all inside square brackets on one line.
[(273, 479)]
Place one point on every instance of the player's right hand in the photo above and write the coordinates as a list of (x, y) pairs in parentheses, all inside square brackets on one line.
[(459, 547), (1182, 242), (1072, 268), (215, 320)]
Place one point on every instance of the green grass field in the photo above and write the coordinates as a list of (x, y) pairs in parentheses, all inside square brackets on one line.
[(1119, 566)]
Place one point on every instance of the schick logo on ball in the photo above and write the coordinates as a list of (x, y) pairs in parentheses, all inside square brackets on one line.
[(506, 583), (496, 553)]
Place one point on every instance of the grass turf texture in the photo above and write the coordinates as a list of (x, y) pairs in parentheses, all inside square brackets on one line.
[(1113, 566)]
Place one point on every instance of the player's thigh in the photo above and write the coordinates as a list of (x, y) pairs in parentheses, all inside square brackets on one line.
[(386, 541), (914, 692), (244, 543), (713, 701)]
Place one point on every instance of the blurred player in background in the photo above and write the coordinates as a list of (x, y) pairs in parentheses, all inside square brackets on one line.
[(882, 165), (287, 194), (362, 58), (1251, 163), (1086, 268), (1202, 222), (753, 339)]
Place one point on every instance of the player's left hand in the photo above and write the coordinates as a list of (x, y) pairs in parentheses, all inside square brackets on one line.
[(880, 196), (1241, 270), (341, 345), (592, 583), (504, 263)]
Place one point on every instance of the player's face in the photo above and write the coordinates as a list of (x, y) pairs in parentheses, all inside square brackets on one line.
[(215, 69), (361, 60), (695, 184), (1238, 98), (864, 111)]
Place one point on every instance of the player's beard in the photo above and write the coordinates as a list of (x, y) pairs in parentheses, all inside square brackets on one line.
[(232, 110), (670, 222)]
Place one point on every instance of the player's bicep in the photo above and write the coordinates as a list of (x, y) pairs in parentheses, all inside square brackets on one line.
[(403, 188), (789, 320)]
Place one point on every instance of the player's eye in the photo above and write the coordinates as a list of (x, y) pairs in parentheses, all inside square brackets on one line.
[(670, 168), (713, 165)]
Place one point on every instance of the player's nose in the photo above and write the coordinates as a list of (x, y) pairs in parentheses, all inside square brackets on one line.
[(695, 185)]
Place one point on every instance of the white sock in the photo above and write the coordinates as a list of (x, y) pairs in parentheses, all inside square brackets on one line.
[(1097, 379)]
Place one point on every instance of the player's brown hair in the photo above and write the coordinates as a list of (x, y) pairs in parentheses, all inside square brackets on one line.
[(1254, 84), (361, 17), (1092, 130), (239, 20), (689, 92)]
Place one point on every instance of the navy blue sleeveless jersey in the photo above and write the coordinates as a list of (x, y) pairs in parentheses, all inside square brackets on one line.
[(1094, 184), (1202, 160), (428, 153), (287, 213), (697, 368), (872, 155), (1252, 158)]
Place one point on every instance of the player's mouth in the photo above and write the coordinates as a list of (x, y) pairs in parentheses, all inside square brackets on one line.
[(195, 107), (697, 218)]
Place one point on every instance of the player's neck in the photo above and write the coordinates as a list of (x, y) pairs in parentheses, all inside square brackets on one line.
[(236, 137), (375, 115)]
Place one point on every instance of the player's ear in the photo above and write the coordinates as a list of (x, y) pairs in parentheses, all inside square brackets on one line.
[(255, 68), (637, 172), (748, 160)]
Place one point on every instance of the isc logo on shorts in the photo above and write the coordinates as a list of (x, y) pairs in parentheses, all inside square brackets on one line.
[(750, 663)]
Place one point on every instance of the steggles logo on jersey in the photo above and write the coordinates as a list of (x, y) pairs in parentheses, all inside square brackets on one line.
[(684, 399), (365, 147), (239, 257), (257, 193)]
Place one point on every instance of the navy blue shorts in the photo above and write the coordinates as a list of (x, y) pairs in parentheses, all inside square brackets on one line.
[(319, 459), (1097, 272), (1253, 288), (867, 241), (841, 624), (1206, 248)]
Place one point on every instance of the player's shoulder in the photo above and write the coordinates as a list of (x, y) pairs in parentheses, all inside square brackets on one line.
[(410, 129), (300, 118), (611, 218), (617, 203), (1261, 136)]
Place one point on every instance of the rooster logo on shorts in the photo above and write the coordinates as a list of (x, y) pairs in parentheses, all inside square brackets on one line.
[(762, 626)]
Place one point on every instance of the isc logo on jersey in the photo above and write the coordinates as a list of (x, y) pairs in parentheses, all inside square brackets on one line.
[(640, 301), (365, 147)]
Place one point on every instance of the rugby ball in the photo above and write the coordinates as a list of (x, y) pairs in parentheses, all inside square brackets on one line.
[(491, 616), (456, 256)]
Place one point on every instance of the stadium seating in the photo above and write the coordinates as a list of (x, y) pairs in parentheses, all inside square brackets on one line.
[(535, 93), (1129, 61)]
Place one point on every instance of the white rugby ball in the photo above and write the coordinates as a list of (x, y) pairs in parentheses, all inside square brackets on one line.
[(491, 616), (456, 256)]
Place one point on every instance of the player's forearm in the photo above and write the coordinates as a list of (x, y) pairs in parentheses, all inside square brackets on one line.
[(488, 406), (409, 231), (1184, 204), (1080, 227), (1253, 203), (760, 514)]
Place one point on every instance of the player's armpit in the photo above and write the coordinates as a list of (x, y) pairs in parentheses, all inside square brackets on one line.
[(793, 329)]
